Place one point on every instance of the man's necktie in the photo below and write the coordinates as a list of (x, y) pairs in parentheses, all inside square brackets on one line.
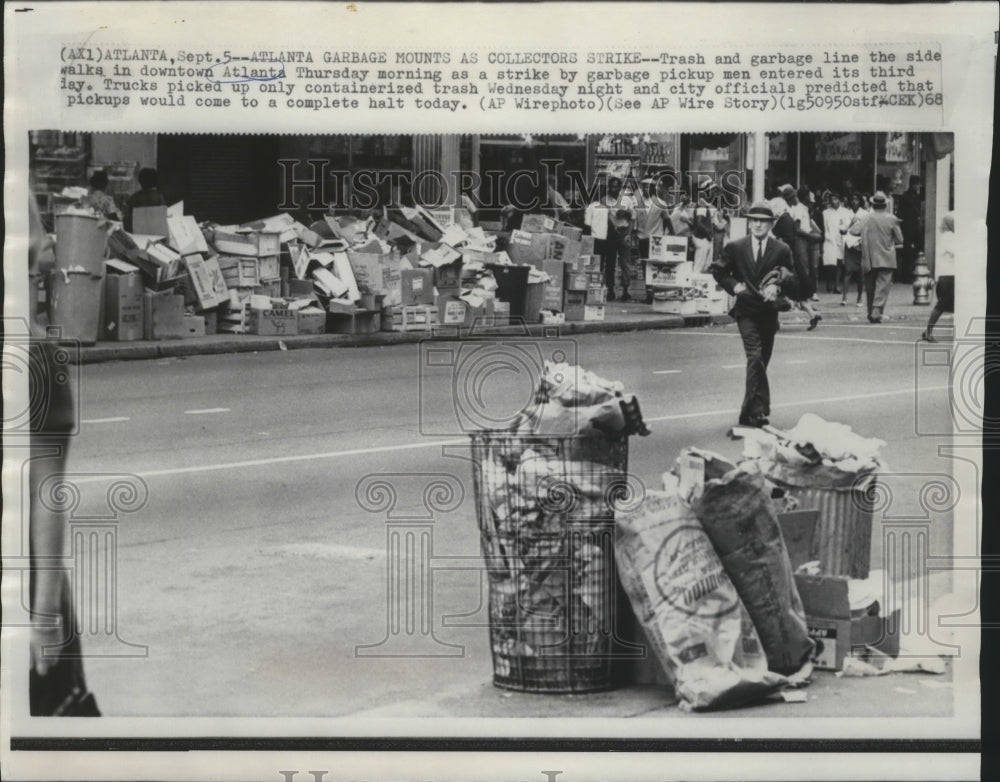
[(760, 251)]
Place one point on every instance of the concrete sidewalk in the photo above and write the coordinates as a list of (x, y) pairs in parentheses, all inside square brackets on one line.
[(619, 317)]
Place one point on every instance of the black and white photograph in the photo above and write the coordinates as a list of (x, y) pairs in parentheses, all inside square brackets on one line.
[(491, 435)]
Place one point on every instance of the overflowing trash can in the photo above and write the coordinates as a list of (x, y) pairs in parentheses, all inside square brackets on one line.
[(545, 507), (824, 466), (546, 494)]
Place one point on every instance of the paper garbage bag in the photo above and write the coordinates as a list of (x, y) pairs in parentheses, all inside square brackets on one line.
[(689, 608)]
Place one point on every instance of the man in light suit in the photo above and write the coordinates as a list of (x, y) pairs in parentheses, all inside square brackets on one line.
[(757, 270)]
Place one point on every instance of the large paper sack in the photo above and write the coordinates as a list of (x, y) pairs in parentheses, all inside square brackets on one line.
[(689, 608), (736, 511)]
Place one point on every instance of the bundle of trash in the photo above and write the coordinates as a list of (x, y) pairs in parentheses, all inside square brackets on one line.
[(707, 573)]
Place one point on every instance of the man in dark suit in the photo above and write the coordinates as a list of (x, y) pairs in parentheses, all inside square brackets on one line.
[(757, 270)]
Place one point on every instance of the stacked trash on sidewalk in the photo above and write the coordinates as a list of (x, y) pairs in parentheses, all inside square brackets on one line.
[(397, 269), (743, 577)]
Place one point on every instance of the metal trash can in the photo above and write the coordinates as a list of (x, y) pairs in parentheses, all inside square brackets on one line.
[(843, 537), (545, 507)]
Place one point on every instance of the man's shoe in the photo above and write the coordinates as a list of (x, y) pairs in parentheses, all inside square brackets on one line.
[(626, 297)]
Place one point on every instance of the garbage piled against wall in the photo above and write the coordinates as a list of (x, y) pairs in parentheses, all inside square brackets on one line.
[(404, 269)]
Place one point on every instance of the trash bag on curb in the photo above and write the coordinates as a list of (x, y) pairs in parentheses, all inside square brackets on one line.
[(737, 513), (690, 610)]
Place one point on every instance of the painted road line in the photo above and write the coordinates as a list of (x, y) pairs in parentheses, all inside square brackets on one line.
[(208, 411), (667, 371), (800, 403), (733, 366), (464, 441), (114, 420)]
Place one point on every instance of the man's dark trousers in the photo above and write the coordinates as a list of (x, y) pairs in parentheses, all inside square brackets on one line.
[(758, 342)]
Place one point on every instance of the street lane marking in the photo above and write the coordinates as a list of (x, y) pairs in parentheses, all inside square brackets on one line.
[(104, 420), (202, 468), (207, 411), (799, 403), (733, 366), (284, 459), (667, 371)]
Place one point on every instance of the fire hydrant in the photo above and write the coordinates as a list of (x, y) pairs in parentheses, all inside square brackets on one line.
[(922, 282)]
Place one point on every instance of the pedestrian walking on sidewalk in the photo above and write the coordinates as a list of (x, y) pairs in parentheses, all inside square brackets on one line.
[(758, 270), (880, 233), (852, 249), (786, 228), (944, 272)]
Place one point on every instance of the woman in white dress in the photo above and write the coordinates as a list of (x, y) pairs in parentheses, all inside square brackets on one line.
[(836, 220)]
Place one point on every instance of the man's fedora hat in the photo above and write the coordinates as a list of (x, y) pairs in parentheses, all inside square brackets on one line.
[(761, 210)]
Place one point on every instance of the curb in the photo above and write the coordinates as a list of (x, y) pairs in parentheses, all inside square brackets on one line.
[(248, 343)]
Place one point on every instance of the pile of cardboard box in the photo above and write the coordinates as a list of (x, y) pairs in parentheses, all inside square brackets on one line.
[(408, 269), (677, 289), (576, 285)]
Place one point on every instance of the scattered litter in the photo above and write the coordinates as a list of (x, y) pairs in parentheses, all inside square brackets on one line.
[(282, 345), (794, 696)]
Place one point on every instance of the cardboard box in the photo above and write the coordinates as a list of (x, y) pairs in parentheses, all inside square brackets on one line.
[(479, 310), (577, 281), (151, 221), (300, 288), (593, 311), (409, 318), (836, 633), (501, 313), (597, 294), (207, 281), (211, 321), (194, 325), (668, 248), (269, 267), (668, 273), (163, 316), (311, 320), (273, 323), (448, 275), (574, 303), (826, 600), (123, 303), (552, 298), (587, 245), (233, 241), (451, 309), (570, 232), (184, 235), (538, 224), (367, 270), (417, 287), (239, 271), (358, 322)]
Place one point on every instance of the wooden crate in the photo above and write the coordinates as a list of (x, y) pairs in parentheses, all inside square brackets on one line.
[(239, 272), (416, 317)]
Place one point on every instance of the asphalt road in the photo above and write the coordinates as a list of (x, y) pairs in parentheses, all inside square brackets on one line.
[(253, 571)]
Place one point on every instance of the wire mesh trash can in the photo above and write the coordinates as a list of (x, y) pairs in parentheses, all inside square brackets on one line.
[(545, 507)]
